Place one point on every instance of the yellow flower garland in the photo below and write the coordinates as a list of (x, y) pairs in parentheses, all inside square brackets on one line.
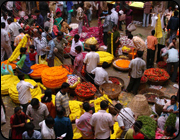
[(112, 43)]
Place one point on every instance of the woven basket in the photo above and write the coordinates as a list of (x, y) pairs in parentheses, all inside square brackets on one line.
[(120, 80), (139, 105), (82, 99), (119, 68), (158, 108), (151, 82), (142, 86), (106, 88)]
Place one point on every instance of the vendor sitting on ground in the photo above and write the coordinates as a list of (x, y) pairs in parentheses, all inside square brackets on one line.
[(57, 20), (101, 75), (65, 27)]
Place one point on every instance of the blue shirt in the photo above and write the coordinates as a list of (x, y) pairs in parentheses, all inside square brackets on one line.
[(63, 125), (40, 21), (173, 23), (52, 45), (173, 55), (36, 135), (69, 5)]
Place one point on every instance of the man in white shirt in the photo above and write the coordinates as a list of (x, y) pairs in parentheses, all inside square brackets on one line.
[(136, 70), (91, 61), (102, 122), (9, 7), (59, 4), (101, 75), (125, 118), (24, 93), (75, 42), (5, 42), (4, 19), (114, 17)]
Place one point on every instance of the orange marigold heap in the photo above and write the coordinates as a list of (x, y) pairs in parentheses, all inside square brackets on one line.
[(37, 69), (123, 63), (12, 65), (53, 77)]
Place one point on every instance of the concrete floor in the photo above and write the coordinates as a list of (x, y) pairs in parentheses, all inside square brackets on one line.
[(124, 98)]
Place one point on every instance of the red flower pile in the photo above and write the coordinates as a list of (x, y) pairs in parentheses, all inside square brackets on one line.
[(144, 79), (85, 89), (161, 64), (156, 74), (114, 80)]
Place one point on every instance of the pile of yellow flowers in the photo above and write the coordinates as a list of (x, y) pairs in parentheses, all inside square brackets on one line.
[(117, 131), (105, 57), (91, 41), (126, 49), (6, 82), (98, 101), (35, 93)]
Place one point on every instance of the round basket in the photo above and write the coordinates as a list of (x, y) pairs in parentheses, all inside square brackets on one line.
[(142, 86), (106, 88), (73, 25), (119, 68), (157, 92), (121, 81), (82, 99), (151, 82)]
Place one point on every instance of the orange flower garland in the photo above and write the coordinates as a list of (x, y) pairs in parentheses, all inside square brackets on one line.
[(53, 77), (38, 68), (12, 65), (123, 63)]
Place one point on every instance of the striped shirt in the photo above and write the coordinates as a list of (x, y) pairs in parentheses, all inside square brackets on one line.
[(63, 100), (162, 40)]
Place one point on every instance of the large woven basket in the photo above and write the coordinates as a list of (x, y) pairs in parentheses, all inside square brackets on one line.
[(151, 82), (106, 88), (139, 105), (119, 68), (120, 80), (82, 99)]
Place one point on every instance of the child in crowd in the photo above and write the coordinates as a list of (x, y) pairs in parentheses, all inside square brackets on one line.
[(32, 55)]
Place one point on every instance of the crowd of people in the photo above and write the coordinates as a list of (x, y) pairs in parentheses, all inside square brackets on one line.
[(46, 31)]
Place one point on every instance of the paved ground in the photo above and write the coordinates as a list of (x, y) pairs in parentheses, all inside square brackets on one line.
[(124, 98)]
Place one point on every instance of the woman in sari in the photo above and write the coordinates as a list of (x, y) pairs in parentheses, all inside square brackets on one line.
[(58, 20), (170, 107), (129, 15), (116, 36)]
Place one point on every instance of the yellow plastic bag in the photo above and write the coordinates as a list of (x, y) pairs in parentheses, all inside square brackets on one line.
[(43, 61), (117, 131), (57, 62), (76, 135)]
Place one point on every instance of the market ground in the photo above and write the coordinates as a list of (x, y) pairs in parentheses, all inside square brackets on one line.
[(124, 98)]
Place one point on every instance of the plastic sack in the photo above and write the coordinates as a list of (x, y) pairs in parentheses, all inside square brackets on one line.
[(131, 27), (4, 70), (57, 62), (42, 61)]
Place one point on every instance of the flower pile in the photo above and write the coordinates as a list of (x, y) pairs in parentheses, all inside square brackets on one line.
[(161, 64), (114, 80), (105, 57), (126, 49), (156, 74), (53, 77), (37, 69), (117, 131), (91, 41), (73, 80), (122, 63), (85, 89), (144, 79)]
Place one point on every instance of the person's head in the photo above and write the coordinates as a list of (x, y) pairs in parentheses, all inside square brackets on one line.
[(114, 27), (21, 76), (17, 111), (3, 25), (60, 35), (81, 4), (49, 121), (105, 65), (130, 36), (23, 50), (60, 111), (140, 53), (170, 7), (104, 105), (119, 106), (48, 19), (32, 47), (21, 30), (93, 47), (105, 13), (47, 97), (46, 28), (176, 7), (174, 40), (65, 87), (169, 130), (153, 32), (37, 12), (173, 99), (78, 49), (58, 14), (49, 36), (5, 15), (76, 37), (35, 103), (137, 126), (172, 47), (29, 128), (10, 20), (86, 106)]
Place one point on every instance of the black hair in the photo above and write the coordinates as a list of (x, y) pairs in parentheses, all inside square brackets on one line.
[(3, 25), (119, 106), (104, 104), (36, 11), (64, 85), (20, 76), (105, 65), (50, 35), (46, 28), (34, 101), (49, 120), (60, 110), (16, 109), (140, 53), (60, 33), (174, 38), (4, 14), (114, 25), (130, 36), (76, 36), (32, 47), (137, 126), (10, 19), (21, 30), (58, 13), (81, 5), (170, 129), (86, 106), (93, 47), (48, 19), (22, 49), (153, 32), (176, 13), (174, 97), (172, 47), (47, 97), (29, 126), (78, 48)]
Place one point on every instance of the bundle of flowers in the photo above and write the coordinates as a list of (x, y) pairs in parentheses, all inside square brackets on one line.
[(122, 63), (114, 80), (37, 69), (161, 64), (105, 57), (156, 74), (144, 79), (85, 89), (73, 80), (126, 49)]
